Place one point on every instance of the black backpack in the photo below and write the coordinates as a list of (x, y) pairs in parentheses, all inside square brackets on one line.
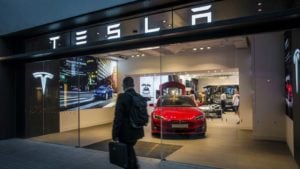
[(138, 115)]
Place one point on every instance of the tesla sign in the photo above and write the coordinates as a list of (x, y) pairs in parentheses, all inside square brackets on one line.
[(43, 76), (197, 15)]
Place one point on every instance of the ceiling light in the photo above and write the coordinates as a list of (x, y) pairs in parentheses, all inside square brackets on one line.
[(143, 55), (170, 25), (132, 56), (194, 49), (164, 21), (259, 10), (137, 55), (259, 3), (201, 48), (148, 48), (208, 48)]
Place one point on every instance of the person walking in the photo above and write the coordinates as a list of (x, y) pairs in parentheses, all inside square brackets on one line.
[(236, 104), (122, 129), (223, 98)]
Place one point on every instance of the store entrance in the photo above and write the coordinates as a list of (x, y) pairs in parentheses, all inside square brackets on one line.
[(200, 102)]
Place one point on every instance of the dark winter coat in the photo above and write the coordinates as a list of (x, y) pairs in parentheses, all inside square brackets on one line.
[(121, 127)]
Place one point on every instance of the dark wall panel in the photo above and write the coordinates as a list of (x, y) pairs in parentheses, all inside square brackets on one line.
[(7, 101), (41, 109), (296, 108), (7, 96)]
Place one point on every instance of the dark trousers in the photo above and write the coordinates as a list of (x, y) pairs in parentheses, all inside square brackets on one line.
[(132, 160), (223, 105), (236, 109)]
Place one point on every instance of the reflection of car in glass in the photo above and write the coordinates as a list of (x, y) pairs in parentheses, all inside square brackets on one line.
[(211, 110), (103, 92), (177, 115), (289, 93), (76, 89)]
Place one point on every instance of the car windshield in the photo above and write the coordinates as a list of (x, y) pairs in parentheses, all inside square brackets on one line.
[(176, 101)]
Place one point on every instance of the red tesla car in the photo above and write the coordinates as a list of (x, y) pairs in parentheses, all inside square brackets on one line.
[(177, 115)]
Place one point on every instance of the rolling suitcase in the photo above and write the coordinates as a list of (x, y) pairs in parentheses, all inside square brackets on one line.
[(118, 154)]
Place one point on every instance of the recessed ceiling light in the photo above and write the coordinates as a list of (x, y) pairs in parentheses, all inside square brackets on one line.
[(132, 56), (137, 55), (259, 3), (259, 10), (164, 21), (194, 49), (208, 48), (201, 48), (143, 55), (148, 48), (170, 25)]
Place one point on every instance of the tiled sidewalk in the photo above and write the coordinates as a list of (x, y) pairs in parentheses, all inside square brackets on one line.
[(26, 154)]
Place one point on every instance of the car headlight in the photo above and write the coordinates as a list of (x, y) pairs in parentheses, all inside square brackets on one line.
[(201, 117), (158, 117)]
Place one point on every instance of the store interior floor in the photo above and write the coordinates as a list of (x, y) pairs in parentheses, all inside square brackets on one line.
[(225, 146)]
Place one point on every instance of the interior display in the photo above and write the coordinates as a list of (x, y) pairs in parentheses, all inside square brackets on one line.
[(213, 94), (177, 115), (288, 74), (93, 79), (212, 110), (150, 84)]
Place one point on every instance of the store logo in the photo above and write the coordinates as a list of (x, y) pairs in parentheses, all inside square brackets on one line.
[(111, 30), (81, 37), (206, 15), (296, 58), (200, 15), (53, 40), (44, 76)]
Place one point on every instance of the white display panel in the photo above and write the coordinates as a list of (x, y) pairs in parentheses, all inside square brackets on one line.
[(150, 84)]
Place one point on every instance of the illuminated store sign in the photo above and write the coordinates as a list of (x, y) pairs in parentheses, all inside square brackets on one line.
[(151, 24), (145, 25), (296, 58), (114, 31), (201, 15), (43, 76)]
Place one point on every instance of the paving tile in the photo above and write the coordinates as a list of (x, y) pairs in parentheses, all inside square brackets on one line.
[(27, 154)]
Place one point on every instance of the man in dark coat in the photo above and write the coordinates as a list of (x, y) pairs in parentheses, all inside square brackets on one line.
[(122, 129)]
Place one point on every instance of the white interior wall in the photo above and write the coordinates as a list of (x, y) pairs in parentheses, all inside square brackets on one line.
[(222, 58), (268, 65)]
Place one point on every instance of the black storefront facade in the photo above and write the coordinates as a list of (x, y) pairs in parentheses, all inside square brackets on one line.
[(136, 26)]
